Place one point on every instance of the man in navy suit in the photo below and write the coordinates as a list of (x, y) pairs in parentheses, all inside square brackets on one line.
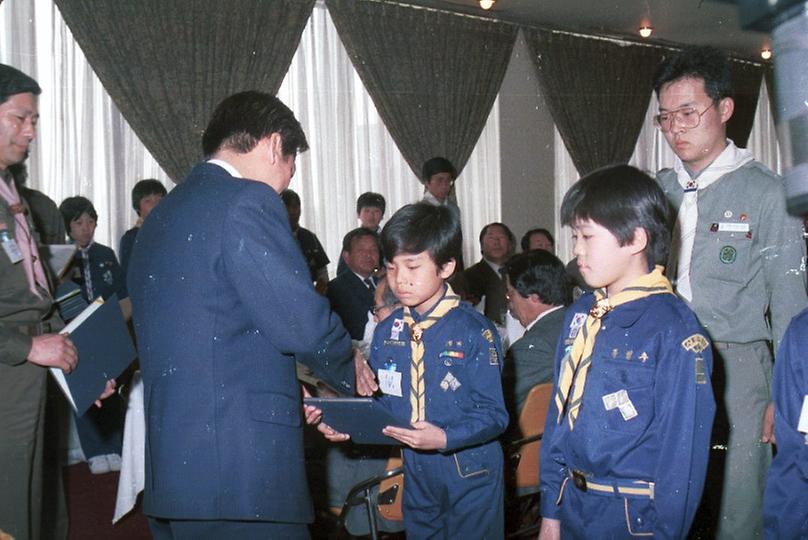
[(223, 305), (351, 293)]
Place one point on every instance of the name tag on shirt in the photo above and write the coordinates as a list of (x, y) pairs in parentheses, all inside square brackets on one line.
[(733, 227), (390, 382), (12, 250)]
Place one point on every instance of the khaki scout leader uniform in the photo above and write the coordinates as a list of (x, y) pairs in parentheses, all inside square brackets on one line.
[(22, 394), (748, 259)]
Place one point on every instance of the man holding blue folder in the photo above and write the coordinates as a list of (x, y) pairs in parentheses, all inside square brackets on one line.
[(223, 305)]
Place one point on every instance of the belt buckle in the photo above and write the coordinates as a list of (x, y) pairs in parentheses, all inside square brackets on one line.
[(579, 480)]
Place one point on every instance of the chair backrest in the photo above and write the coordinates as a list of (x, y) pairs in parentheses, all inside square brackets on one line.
[(531, 422), (392, 510)]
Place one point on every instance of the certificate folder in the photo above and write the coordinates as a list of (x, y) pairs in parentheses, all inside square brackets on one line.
[(105, 351), (361, 418)]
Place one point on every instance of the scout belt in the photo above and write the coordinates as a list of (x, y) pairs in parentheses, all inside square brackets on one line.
[(640, 489)]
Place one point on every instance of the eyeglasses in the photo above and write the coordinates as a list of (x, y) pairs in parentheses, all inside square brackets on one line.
[(376, 309), (687, 117)]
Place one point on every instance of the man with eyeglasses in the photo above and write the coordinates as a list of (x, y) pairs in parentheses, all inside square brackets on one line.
[(737, 258)]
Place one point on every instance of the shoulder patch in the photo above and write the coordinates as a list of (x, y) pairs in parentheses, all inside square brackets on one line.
[(489, 337), (695, 343)]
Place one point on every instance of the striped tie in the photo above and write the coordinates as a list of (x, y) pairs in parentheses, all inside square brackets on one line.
[(575, 365), (417, 400)]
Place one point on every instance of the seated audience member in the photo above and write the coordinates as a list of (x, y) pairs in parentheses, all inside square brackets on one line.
[(538, 289), (538, 239), (347, 465), (145, 196), (44, 212), (483, 279), (351, 293), (312, 249), (370, 211), (97, 273)]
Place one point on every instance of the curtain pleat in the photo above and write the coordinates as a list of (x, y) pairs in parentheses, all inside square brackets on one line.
[(597, 92), (746, 80), (167, 64), (433, 76)]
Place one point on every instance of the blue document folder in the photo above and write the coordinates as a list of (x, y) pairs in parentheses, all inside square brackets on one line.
[(105, 351), (361, 418)]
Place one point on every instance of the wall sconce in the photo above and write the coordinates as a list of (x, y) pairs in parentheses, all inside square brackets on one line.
[(646, 31), (766, 53), (487, 4)]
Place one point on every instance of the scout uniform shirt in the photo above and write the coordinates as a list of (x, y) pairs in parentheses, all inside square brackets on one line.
[(635, 460)]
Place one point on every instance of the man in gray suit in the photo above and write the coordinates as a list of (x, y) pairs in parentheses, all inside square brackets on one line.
[(537, 289)]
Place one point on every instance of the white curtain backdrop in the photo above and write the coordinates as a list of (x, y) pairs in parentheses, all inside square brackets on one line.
[(652, 153), (85, 147)]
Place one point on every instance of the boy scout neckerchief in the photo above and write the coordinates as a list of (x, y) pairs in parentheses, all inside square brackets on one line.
[(575, 365), (417, 402)]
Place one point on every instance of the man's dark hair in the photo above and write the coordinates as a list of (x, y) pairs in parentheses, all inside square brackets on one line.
[(419, 227), (370, 199), (13, 82), (541, 273), (505, 228), (144, 188), (290, 197), (531, 232), (437, 165), (73, 207), (622, 199), (243, 119), (359, 232), (698, 62)]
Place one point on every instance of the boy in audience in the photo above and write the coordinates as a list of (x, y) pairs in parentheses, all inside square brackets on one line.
[(438, 364), (625, 448), (145, 196), (370, 211), (310, 245)]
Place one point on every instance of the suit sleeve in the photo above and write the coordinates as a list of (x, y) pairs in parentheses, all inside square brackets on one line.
[(270, 277), (686, 407), (783, 262), (486, 417)]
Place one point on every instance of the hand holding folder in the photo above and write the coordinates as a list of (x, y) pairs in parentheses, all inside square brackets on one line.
[(361, 418)]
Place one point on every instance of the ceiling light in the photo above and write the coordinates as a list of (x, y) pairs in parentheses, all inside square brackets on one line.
[(766, 53), (646, 31), (487, 4)]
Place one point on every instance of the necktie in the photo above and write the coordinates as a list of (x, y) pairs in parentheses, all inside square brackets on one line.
[(369, 283), (575, 365), (417, 385)]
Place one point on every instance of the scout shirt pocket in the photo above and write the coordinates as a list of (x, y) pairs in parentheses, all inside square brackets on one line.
[(728, 251), (475, 461), (626, 397), (641, 516)]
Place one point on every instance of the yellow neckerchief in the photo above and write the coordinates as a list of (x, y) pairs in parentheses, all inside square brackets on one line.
[(575, 364), (417, 400)]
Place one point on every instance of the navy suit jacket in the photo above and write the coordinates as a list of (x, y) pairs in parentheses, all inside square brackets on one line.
[(352, 300), (222, 305)]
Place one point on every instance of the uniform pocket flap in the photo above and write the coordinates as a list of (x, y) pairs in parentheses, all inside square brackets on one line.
[(275, 409)]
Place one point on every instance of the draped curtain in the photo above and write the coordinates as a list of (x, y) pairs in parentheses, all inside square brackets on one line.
[(746, 79), (597, 91), (167, 64), (433, 76)]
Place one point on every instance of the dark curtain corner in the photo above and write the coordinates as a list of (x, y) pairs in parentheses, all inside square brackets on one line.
[(167, 66), (433, 76), (597, 91), (746, 80)]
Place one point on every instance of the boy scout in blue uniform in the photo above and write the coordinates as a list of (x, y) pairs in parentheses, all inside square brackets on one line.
[(785, 506), (627, 435), (438, 364)]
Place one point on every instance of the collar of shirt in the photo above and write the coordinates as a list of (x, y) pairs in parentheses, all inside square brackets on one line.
[(541, 316), (727, 161), (226, 166), (86, 248), (494, 266), (362, 279)]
